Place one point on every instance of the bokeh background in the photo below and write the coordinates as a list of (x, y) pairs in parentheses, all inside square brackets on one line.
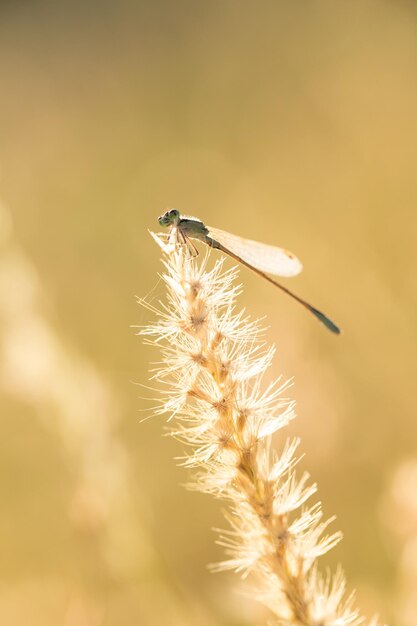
[(293, 123)]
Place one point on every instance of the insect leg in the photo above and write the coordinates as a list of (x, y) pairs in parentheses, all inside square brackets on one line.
[(193, 250)]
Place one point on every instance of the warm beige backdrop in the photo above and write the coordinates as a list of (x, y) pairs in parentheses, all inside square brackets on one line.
[(290, 122)]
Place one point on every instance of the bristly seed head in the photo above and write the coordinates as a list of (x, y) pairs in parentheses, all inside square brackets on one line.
[(199, 358), (213, 362), (195, 287), (221, 406)]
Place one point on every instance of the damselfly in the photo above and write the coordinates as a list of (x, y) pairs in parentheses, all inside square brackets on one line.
[(259, 257)]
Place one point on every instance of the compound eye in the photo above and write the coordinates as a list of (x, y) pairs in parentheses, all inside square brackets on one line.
[(174, 214), (163, 219)]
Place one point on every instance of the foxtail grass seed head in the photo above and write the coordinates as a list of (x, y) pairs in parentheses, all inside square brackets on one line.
[(212, 369)]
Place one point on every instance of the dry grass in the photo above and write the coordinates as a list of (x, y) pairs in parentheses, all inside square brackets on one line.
[(213, 363)]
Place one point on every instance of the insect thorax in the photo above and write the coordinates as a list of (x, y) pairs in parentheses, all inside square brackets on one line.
[(193, 228)]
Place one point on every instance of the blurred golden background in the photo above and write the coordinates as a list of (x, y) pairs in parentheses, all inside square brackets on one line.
[(289, 122)]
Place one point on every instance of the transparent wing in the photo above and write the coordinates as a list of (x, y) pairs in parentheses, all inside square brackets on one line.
[(269, 259)]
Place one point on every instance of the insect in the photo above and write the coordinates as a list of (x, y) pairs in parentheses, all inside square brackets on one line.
[(261, 258)]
